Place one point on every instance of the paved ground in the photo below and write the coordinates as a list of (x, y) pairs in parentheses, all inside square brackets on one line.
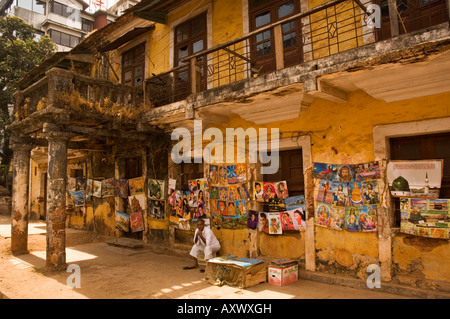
[(112, 272)]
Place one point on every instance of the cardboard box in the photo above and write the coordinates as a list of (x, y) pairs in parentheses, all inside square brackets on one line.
[(280, 276)]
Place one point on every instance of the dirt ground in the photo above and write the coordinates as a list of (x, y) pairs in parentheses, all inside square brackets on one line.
[(110, 272)]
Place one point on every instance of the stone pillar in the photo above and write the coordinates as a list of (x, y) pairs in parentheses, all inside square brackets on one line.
[(19, 213), (56, 200)]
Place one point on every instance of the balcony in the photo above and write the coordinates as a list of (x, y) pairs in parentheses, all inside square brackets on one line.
[(283, 69), (80, 94)]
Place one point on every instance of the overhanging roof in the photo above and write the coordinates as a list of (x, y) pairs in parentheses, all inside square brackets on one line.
[(130, 35), (155, 10)]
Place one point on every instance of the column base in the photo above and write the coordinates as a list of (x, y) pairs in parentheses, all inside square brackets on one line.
[(20, 252)]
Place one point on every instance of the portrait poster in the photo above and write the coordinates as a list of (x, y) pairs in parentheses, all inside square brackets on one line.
[(108, 187), (214, 192), (156, 209), (263, 222), (223, 193), (122, 221), (274, 221), (192, 198), (192, 185), (258, 193), (298, 217), (340, 194), (136, 222), (368, 218), (336, 218), (136, 186), (269, 191), (214, 174), (222, 174), (352, 222), (200, 196), (121, 188), (232, 193), (243, 193), (287, 220), (425, 217), (137, 203), (200, 211), (418, 178), (281, 189), (222, 207), (252, 219), (322, 214), (156, 188), (97, 188), (231, 174), (231, 208), (370, 192), (241, 172), (89, 189)]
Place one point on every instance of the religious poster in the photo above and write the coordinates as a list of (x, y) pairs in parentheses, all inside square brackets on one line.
[(368, 218), (156, 188), (222, 174), (214, 174), (121, 188), (223, 193), (336, 218), (97, 188), (136, 186), (322, 214), (421, 178), (425, 217), (202, 183), (232, 193), (214, 192), (122, 221), (355, 194), (241, 172), (352, 222), (222, 207), (367, 171), (231, 174), (243, 193), (241, 208), (370, 192), (108, 187), (231, 208), (136, 222)]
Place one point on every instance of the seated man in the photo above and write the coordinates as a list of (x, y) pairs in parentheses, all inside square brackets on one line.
[(204, 241)]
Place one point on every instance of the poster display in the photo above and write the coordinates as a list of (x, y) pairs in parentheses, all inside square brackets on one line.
[(425, 217), (347, 196), (421, 178)]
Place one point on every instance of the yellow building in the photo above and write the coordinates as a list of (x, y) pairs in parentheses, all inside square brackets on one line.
[(329, 86)]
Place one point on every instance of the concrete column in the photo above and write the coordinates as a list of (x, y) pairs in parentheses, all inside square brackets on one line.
[(19, 213), (56, 201)]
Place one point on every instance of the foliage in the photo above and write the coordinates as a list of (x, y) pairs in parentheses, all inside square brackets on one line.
[(19, 54)]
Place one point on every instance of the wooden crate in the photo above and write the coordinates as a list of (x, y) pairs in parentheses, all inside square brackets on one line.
[(235, 272)]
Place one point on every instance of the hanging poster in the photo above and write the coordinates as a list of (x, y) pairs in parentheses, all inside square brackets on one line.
[(97, 188), (200, 197), (420, 178), (287, 221), (241, 172), (78, 197), (80, 183), (121, 188), (321, 215), (356, 195), (184, 224), (89, 189), (231, 208), (295, 202), (367, 171), (136, 186), (336, 218), (222, 174), (269, 191), (222, 207), (352, 215), (252, 219), (370, 192), (156, 209), (263, 222), (231, 174), (425, 217), (223, 193), (243, 193), (324, 195), (281, 189), (108, 187), (213, 174), (202, 183), (274, 221), (258, 192), (368, 218), (241, 208), (156, 188), (232, 193), (122, 221), (136, 222), (214, 193), (201, 211), (340, 194), (137, 203), (276, 204)]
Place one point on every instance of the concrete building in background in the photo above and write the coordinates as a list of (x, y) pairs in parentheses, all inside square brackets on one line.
[(66, 22)]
